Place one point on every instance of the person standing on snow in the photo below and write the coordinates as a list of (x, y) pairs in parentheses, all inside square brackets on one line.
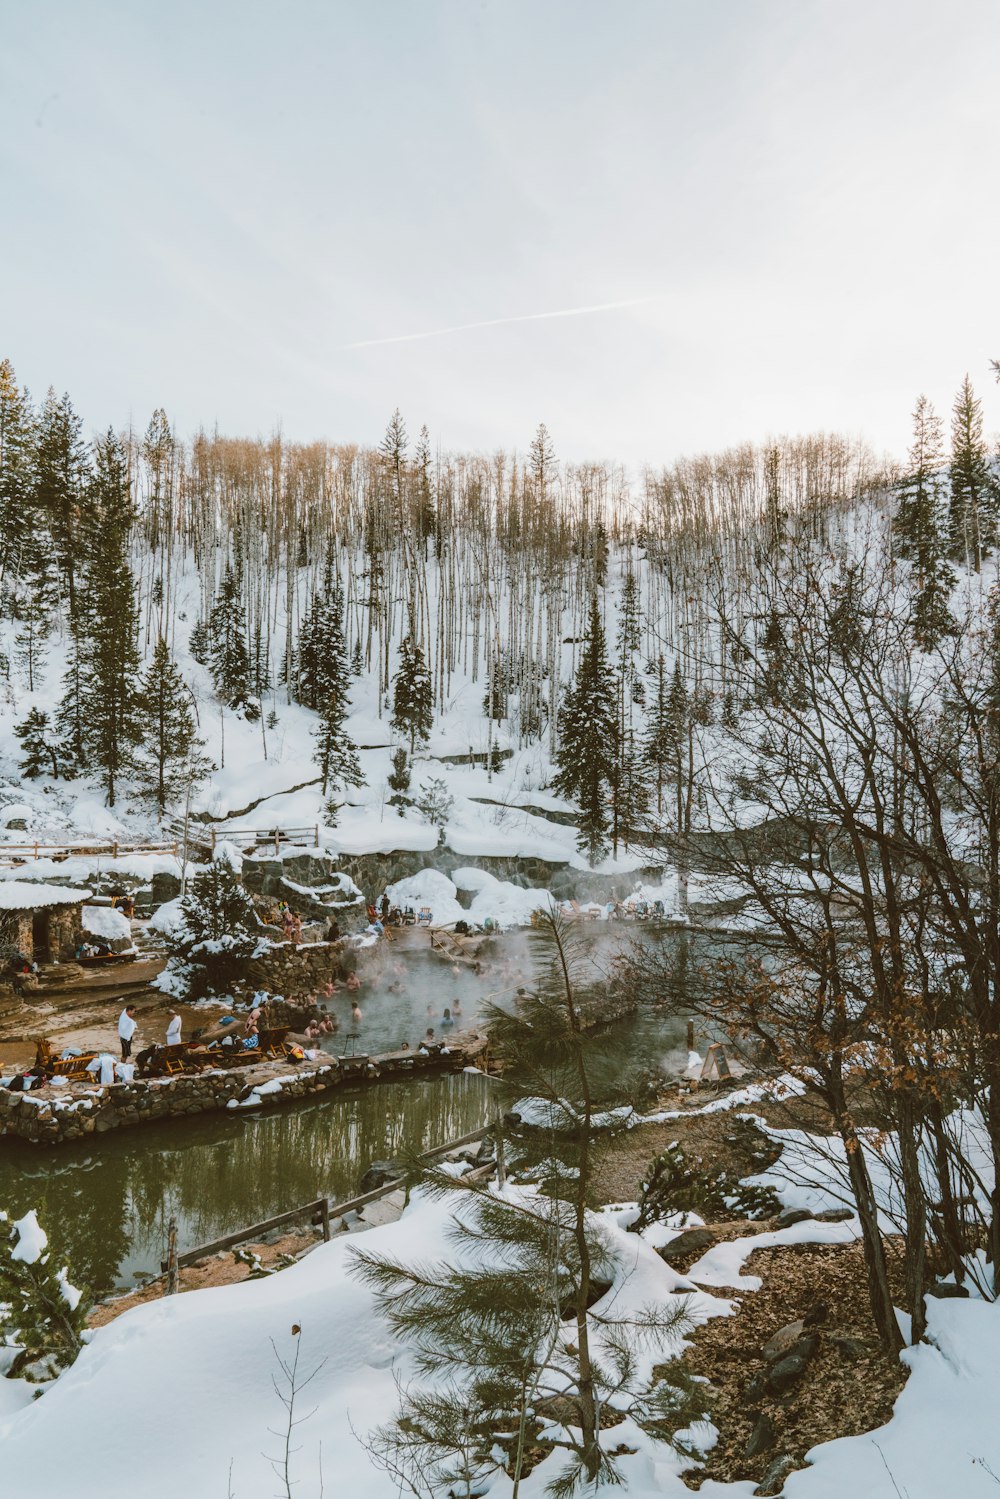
[(126, 1030), (174, 1031)]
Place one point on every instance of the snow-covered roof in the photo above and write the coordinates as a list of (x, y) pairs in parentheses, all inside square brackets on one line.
[(19, 895)]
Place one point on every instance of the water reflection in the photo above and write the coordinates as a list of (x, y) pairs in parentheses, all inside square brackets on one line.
[(106, 1207)]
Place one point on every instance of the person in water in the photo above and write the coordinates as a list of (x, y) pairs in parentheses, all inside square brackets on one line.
[(446, 1017), (353, 983), (356, 1012)]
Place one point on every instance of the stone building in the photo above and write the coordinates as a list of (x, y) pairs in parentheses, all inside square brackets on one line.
[(42, 921)]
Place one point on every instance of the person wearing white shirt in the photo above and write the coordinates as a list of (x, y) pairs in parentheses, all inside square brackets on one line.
[(174, 1031), (126, 1030)]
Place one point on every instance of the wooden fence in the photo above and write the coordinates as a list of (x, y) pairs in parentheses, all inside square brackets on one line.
[(321, 1210), (20, 853), (261, 838)]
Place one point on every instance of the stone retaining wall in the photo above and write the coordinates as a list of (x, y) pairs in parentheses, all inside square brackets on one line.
[(57, 1116)]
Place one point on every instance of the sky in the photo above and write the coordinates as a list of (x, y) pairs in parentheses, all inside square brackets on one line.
[(751, 216)]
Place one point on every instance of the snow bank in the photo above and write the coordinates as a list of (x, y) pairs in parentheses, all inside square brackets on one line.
[(21, 895), (31, 1240), (168, 918), (168, 1367), (106, 922)]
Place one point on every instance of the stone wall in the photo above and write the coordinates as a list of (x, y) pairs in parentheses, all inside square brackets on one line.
[(53, 1116), (298, 971)]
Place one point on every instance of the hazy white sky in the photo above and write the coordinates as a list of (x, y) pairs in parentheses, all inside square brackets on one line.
[(243, 212)]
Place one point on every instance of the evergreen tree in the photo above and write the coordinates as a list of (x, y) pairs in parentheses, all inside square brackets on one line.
[(667, 748), (40, 1311), (497, 1320), (229, 658), (917, 526), (27, 567), (413, 698), (335, 753), (357, 660), (19, 521), (220, 931), (70, 714), (435, 804), (321, 667), (62, 480), (971, 516), (399, 781), (170, 757), (109, 625), (495, 703), (38, 749), (588, 740), (200, 642)]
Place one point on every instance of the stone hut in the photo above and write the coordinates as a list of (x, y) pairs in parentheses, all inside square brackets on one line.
[(41, 921)]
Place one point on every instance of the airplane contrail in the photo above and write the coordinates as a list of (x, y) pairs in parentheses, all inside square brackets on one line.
[(496, 322)]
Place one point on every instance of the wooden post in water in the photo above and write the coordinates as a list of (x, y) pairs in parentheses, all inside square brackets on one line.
[(690, 1035), (172, 1257), (325, 1216)]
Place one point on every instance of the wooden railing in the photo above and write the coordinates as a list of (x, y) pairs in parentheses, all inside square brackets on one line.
[(19, 853), (320, 1209), (266, 837)]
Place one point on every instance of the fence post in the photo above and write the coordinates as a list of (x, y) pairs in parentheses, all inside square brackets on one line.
[(316, 835), (324, 1209), (172, 1257), (690, 1035)]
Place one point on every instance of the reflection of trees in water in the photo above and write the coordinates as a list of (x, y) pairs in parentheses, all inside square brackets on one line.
[(104, 1210), (82, 1205)]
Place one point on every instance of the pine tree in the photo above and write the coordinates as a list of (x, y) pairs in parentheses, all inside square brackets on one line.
[(495, 703), (62, 479), (19, 521), (109, 623), (40, 1311), (435, 804), (170, 757), (321, 667), (413, 699), (199, 643), (399, 781), (335, 753), (27, 567), (220, 931), (917, 527), (588, 740), (38, 749), (667, 748), (971, 516), (497, 1320), (229, 658)]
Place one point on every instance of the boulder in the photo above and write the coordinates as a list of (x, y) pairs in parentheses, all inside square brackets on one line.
[(774, 1479), (379, 1174), (691, 1241), (754, 1392), (834, 1215), (788, 1216), (787, 1372), (783, 1341), (946, 1290), (849, 1348), (762, 1436)]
